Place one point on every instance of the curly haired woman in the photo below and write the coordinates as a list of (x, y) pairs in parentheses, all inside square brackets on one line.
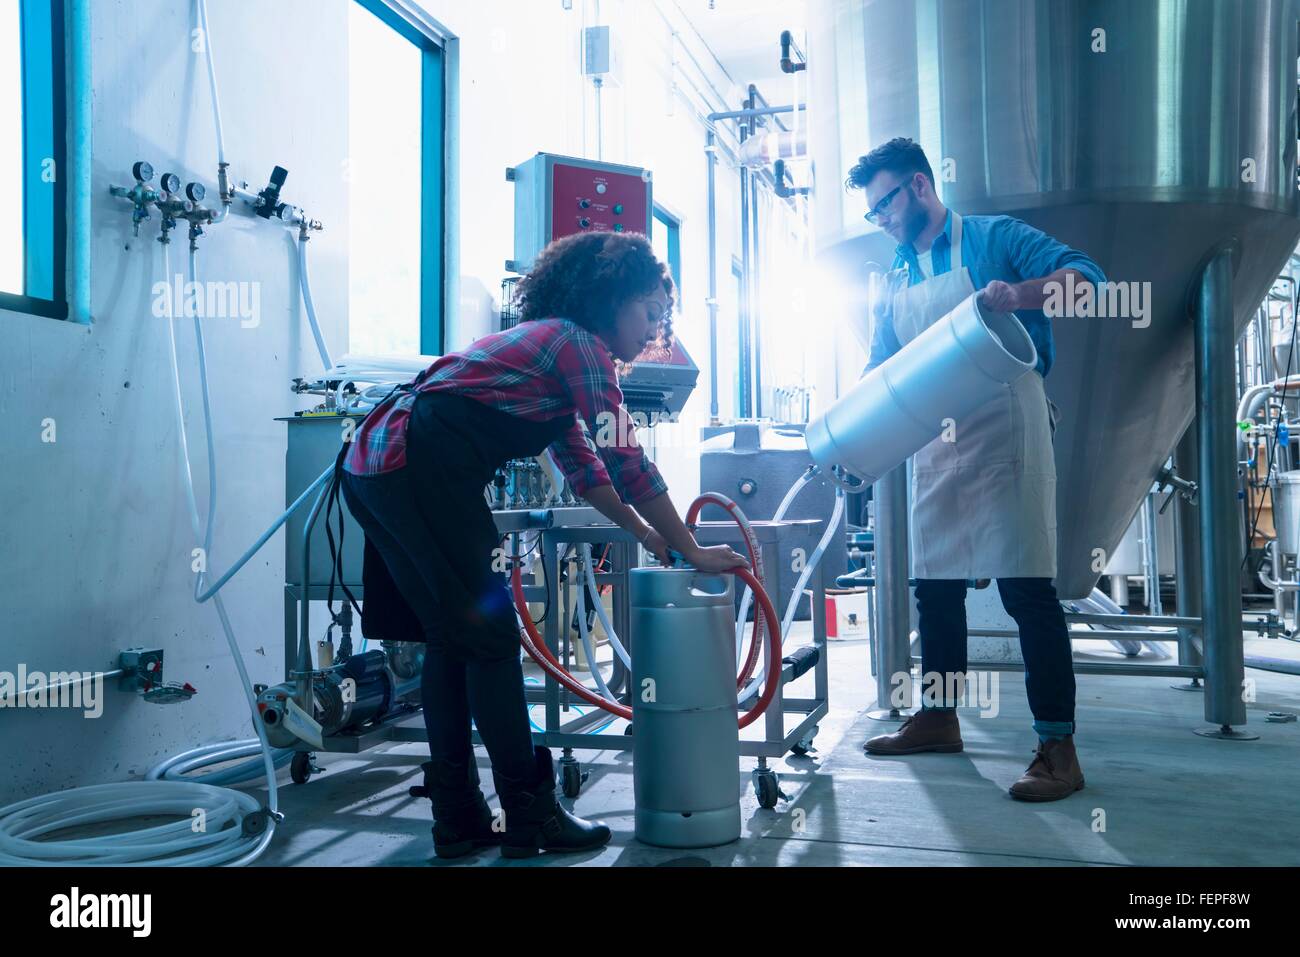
[(414, 479)]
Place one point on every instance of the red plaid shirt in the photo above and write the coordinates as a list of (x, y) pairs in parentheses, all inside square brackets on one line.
[(538, 370)]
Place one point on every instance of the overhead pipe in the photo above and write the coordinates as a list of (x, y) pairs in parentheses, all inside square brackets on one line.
[(711, 157), (788, 46)]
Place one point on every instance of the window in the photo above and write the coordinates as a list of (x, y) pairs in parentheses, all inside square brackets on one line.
[(396, 117), (666, 238), (32, 143)]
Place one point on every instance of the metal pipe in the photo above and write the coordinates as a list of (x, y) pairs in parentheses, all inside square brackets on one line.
[(711, 156), (755, 299), (1098, 668), (742, 372), (1187, 547), (1220, 549), (1082, 635), (1284, 666), (749, 114), (893, 648), (1151, 555), (1125, 621), (1119, 590)]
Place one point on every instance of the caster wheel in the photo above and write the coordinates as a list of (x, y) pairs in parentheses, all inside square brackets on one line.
[(766, 787), (805, 744), (301, 768), (572, 778)]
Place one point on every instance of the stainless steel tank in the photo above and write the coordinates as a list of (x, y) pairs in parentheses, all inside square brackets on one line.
[(1145, 133), (1286, 512), (685, 743)]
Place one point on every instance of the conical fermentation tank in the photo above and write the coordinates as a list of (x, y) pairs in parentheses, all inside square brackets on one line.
[(1146, 133)]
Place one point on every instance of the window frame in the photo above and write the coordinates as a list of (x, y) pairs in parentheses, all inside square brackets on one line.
[(43, 20), (672, 225), (412, 24)]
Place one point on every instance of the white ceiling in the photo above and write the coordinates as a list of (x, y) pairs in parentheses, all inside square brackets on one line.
[(745, 36)]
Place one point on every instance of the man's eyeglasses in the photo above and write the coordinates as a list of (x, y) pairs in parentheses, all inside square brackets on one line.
[(873, 215)]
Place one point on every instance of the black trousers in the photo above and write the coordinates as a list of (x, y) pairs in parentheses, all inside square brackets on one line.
[(433, 529), (1044, 639)]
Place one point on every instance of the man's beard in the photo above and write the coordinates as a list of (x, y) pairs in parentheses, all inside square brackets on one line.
[(914, 224)]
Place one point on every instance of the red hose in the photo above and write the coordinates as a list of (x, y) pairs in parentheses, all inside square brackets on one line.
[(536, 647), (538, 651), (773, 676), (755, 559)]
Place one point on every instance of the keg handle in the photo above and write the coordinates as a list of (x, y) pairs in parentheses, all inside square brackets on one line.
[(698, 592), (834, 476)]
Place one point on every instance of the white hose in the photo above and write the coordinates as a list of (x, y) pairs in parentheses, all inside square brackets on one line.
[(590, 651), (221, 841), (304, 281), (212, 81), (831, 528), (748, 596), (179, 766), (601, 613), (1099, 603)]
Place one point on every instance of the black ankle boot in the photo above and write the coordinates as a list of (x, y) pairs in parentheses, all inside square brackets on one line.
[(536, 821), (462, 821)]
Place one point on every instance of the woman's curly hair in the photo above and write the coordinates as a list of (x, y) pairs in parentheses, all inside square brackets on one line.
[(587, 277)]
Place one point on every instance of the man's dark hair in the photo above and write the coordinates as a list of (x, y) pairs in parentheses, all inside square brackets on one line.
[(899, 155)]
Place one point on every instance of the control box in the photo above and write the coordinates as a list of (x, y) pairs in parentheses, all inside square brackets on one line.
[(557, 196)]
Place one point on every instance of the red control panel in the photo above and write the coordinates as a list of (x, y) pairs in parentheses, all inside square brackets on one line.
[(585, 199)]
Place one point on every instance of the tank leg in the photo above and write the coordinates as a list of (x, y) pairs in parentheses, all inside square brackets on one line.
[(1220, 546)]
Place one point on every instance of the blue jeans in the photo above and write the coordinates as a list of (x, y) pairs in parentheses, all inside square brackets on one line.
[(1044, 642)]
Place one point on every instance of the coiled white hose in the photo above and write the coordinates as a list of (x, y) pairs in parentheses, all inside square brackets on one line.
[(220, 811), (178, 766)]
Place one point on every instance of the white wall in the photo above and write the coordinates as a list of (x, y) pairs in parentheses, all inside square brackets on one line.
[(93, 528)]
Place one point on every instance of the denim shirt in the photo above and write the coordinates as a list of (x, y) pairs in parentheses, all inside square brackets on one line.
[(992, 247)]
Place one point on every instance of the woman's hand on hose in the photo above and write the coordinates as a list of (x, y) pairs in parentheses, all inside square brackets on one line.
[(715, 558)]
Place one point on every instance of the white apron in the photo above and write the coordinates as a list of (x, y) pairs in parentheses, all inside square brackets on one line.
[(983, 503)]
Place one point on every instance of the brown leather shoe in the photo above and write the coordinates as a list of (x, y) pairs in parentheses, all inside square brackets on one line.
[(1053, 774), (928, 730)]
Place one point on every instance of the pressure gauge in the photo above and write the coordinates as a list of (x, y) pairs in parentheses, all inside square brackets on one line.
[(142, 171), (170, 182), (195, 192)]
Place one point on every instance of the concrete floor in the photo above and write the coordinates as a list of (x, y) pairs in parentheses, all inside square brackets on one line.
[(1157, 794)]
